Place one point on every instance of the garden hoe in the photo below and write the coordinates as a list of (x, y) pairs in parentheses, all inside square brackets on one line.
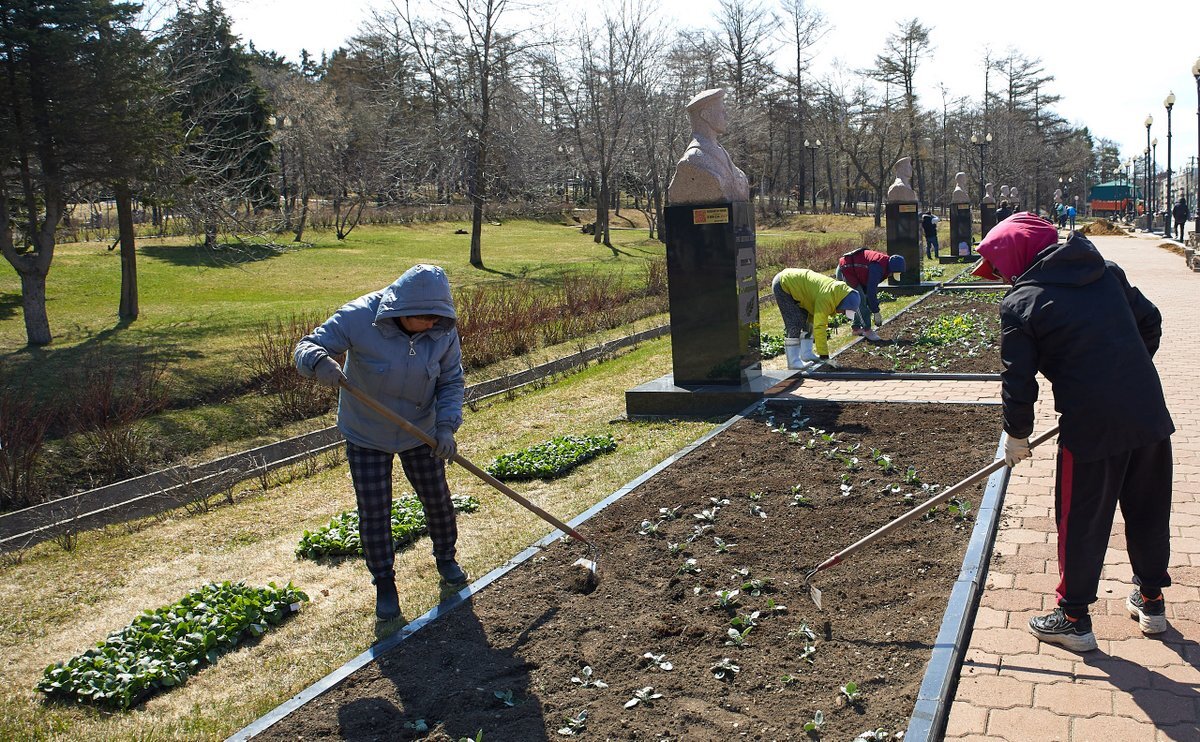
[(587, 574), (911, 515)]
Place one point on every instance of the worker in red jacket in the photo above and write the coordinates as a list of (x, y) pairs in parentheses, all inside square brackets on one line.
[(864, 270)]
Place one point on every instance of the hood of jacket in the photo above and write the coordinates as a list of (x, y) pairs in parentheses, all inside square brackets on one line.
[(1012, 245), (422, 289), (1076, 262)]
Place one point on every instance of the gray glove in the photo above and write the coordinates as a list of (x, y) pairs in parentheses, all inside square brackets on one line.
[(328, 372), (877, 318), (829, 362), (1016, 450), (446, 445)]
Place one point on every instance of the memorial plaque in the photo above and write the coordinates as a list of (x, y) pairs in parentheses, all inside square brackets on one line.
[(960, 231), (987, 219)]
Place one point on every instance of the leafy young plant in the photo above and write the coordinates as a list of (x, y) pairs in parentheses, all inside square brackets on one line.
[(745, 620), (709, 515), (649, 529), (722, 545), (724, 669), (645, 696), (959, 508), (818, 721), (552, 458), (737, 638), (574, 724), (585, 679), (659, 661), (755, 586), (674, 548), (161, 648), (689, 566), (799, 498), (727, 598), (670, 513), (850, 691), (757, 510), (807, 653), (506, 697), (872, 735)]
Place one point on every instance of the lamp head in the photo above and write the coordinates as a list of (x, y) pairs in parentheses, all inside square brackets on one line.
[(1170, 101), (818, 143), (1149, 120), (974, 139), (1196, 69), (1154, 142), (988, 138)]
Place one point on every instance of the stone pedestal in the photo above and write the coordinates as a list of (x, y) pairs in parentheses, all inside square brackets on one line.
[(713, 291), (904, 238), (961, 236), (987, 219)]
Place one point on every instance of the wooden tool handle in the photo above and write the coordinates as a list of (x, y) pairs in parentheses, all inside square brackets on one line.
[(929, 504), (428, 440)]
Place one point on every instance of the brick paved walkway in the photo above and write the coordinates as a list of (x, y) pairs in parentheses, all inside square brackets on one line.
[(1132, 688)]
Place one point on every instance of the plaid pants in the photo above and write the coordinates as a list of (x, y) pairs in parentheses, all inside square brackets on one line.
[(797, 322), (371, 472)]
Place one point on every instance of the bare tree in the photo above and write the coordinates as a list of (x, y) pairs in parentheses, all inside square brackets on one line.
[(897, 65), (804, 27)]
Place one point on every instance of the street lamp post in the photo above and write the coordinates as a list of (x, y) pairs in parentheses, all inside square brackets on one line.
[(1154, 172), (1196, 203), (812, 158), (982, 145), (1169, 103), (1146, 174)]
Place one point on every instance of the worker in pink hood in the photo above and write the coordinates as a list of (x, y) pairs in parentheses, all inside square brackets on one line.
[(1072, 318), (1011, 246)]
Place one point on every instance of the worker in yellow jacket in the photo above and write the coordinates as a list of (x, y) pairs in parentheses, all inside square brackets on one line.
[(806, 299)]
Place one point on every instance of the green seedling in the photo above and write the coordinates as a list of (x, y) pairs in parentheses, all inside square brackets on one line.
[(725, 669), (807, 653), (506, 697), (670, 513), (814, 726), (700, 530), (756, 586), (574, 724), (659, 661), (959, 508), (788, 679), (719, 502), (477, 738), (872, 735), (755, 496), (737, 638), (585, 679), (745, 620), (722, 545), (674, 548), (799, 499), (911, 477), (726, 598), (803, 632), (645, 696), (649, 529), (773, 607), (851, 692), (689, 566), (708, 515), (757, 510)]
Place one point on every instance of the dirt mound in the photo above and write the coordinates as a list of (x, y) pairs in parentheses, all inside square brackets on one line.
[(1101, 227)]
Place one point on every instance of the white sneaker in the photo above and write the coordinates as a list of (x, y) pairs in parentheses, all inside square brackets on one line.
[(872, 336)]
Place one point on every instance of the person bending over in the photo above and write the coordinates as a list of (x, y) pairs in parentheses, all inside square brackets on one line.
[(863, 270), (806, 299)]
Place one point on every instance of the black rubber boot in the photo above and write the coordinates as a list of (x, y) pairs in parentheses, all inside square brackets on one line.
[(451, 573), (387, 602)]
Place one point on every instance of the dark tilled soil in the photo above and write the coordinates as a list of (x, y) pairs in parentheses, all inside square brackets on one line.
[(904, 350), (529, 633)]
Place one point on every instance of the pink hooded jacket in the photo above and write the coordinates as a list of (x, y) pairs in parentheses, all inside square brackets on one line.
[(1011, 246)]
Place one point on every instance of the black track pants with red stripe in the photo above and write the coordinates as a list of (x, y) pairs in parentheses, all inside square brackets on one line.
[(1086, 496)]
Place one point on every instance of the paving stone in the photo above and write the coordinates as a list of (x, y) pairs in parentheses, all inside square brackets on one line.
[(1029, 724), (1076, 699), (966, 719), (1156, 706), (1106, 727), (995, 692)]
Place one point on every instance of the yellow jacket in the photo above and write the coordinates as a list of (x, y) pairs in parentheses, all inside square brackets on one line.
[(819, 295)]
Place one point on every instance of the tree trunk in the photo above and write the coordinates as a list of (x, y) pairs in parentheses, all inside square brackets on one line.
[(477, 197), (128, 310), (33, 305), (303, 220)]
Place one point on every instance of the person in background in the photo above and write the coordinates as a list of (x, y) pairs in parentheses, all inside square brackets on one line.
[(1071, 217), (1180, 214), (929, 224), (1074, 318), (402, 348), (1003, 211), (806, 299), (863, 270)]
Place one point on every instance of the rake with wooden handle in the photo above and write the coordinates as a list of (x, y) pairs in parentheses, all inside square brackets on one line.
[(588, 565), (909, 516)]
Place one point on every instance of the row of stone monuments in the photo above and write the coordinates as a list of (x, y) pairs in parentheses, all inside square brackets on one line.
[(712, 272)]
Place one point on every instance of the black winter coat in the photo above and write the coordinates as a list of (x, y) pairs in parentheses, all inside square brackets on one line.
[(1180, 212), (1074, 317)]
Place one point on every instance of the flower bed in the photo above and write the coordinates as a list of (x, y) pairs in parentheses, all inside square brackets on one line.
[(339, 537), (948, 332), (161, 648), (701, 627)]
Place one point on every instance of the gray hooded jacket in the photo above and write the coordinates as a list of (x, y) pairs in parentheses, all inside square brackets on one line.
[(418, 376)]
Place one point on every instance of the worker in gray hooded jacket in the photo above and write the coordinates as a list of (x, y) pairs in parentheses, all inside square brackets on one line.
[(402, 348)]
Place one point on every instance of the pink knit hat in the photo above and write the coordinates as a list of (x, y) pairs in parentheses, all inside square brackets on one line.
[(1011, 246)]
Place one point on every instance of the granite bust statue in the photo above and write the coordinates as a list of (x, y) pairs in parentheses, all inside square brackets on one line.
[(705, 173)]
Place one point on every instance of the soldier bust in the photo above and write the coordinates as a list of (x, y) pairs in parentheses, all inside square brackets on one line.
[(900, 191), (705, 173), (960, 189)]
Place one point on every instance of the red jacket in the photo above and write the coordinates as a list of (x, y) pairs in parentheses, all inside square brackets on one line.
[(856, 267)]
